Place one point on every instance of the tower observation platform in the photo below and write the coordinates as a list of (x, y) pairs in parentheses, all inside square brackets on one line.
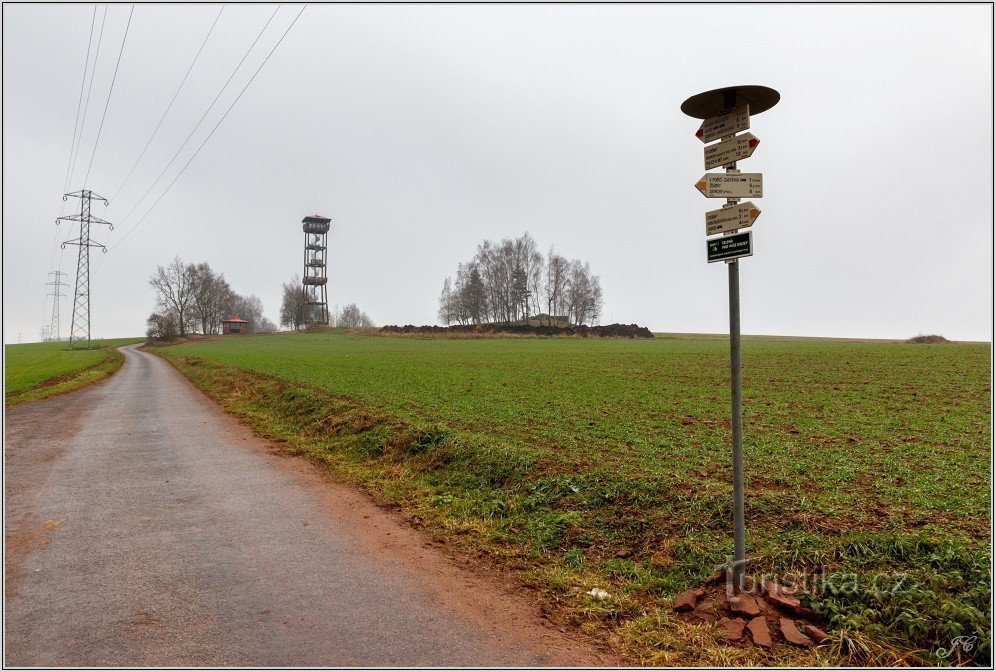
[(315, 276)]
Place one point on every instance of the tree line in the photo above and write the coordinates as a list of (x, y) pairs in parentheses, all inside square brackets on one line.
[(193, 298), (511, 280), (295, 313)]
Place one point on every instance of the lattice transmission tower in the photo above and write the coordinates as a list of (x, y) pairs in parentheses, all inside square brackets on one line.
[(54, 328), (315, 277), (80, 329)]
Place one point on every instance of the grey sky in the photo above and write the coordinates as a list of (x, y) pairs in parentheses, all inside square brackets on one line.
[(423, 130)]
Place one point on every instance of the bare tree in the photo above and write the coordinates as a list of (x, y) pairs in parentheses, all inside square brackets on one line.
[(556, 283), (510, 280), (584, 294), (174, 286), (249, 308), (211, 293), (266, 326), (527, 264), (534, 280), (446, 299), (351, 316), (460, 309), (294, 311)]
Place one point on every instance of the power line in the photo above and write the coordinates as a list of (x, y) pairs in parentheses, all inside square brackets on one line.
[(213, 129), (170, 106), (79, 104), (86, 107), (109, 93), (72, 144), (201, 120)]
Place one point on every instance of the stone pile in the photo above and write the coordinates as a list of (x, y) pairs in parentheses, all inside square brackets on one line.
[(769, 614)]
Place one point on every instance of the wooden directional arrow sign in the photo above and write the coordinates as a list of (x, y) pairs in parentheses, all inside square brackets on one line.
[(729, 247), (734, 121), (728, 151), (731, 185), (731, 218)]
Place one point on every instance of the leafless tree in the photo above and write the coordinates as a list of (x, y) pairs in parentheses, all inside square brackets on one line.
[(294, 312), (351, 316), (249, 308), (510, 280), (446, 298), (195, 297), (556, 283), (460, 310), (583, 293), (266, 326), (174, 285), (211, 294)]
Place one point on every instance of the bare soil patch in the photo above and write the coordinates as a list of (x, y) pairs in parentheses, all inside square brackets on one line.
[(932, 338)]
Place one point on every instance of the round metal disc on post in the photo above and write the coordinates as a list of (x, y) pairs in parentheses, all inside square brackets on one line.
[(716, 102)]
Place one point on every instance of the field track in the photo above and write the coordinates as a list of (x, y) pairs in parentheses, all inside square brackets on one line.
[(146, 528)]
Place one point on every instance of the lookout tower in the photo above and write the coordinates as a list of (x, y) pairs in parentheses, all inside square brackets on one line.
[(315, 277)]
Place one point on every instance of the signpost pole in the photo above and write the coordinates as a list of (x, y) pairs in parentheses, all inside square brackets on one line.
[(739, 544), (722, 120), (736, 402)]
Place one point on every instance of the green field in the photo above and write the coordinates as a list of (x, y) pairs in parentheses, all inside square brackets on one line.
[(36, 370), (605, 463)]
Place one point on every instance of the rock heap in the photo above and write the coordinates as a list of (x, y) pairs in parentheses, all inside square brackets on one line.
[(772, 613)]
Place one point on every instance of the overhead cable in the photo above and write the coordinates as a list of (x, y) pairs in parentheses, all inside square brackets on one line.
[(215, 127), (79, 103), (89, 91), (170, 106), (76, 128), (200, 121), (110, 91)]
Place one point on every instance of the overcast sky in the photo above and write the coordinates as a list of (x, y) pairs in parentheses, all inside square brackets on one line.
[(423, 130)]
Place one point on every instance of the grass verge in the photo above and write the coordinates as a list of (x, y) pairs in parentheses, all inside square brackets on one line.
[(38, 370)]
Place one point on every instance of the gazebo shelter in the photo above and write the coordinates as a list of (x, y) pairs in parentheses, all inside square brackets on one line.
[(234, 325)]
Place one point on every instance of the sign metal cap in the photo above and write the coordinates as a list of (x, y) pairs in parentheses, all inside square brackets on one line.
[(716, 102)]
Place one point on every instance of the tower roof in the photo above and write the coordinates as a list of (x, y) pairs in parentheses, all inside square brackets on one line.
[(316, 218)]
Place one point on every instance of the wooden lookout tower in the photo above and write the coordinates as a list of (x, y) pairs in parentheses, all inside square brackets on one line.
[(315, 276)]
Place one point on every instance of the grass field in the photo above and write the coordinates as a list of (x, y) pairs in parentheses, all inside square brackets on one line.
[(36, 370), (605, 463)]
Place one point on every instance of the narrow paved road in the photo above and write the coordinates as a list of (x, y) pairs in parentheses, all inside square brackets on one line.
[(145, 527)]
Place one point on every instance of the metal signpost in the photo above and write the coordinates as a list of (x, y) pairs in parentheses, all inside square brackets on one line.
[(731, 184), (731, 217), (723, 123), (725, 152), (726, 112)]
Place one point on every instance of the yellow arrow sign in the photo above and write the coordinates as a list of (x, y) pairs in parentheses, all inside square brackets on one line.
[(731, 185), (731, 218)]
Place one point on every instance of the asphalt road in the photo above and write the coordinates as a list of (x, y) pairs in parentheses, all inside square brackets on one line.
[(145, 527)]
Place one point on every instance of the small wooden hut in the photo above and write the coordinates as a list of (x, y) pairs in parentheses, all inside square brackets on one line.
[(234, 325)]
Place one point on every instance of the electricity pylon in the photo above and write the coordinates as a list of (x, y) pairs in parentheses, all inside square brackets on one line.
[(80, 329), (54, 328)]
